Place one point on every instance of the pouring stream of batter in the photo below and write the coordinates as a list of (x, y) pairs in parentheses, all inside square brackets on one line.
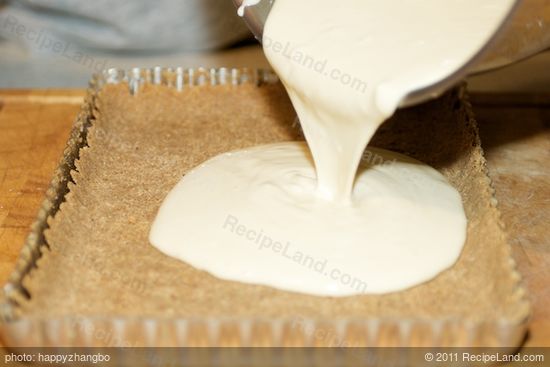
[(314, 219)]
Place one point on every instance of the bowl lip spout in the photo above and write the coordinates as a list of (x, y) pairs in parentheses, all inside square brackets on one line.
[(255, 15)]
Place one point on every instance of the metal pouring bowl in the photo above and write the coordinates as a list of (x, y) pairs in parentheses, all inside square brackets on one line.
[(525, 32)]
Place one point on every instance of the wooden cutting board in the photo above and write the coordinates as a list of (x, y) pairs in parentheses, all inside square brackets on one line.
[(515, 134), (515, 131)]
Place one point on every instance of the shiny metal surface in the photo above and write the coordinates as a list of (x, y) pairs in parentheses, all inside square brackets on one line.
[(525, 32)]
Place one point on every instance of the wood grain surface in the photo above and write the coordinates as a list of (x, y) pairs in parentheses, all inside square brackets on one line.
[(34, 127), (515, 130), (516, 138)]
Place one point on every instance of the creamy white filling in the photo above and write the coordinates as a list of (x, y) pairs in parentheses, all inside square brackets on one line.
[(254, 216), (307, 220), (348, 64)]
